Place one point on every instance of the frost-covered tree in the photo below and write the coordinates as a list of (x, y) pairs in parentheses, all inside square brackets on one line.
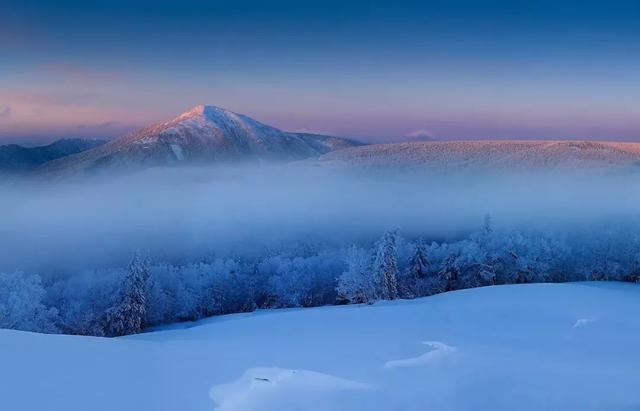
[(122, 300), (129, 311), (529, 257), (449, 274), (356, 284), (605, 265), (237, 286), (294, 281), (21, 306), (385, 266), (416, 272), (474, 265), (418, 263)]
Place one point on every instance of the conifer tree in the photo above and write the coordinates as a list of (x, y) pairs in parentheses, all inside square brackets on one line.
[(129, 310), (417, 271), (385, 266), (418, 263), (448, 275)]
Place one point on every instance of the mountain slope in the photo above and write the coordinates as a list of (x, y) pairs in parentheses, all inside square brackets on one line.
[(460, 155), (517, 347), (15, 158), (205, 134)]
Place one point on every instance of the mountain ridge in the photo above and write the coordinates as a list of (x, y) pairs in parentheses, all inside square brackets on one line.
[(15, 158), (491, 154)]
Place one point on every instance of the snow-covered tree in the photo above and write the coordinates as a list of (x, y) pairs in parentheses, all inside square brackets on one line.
[(356, 284), (385, 266), (418, 263), (122, 300), (21, 306), (295, 281), (238, 286), (292, 283), (416, 272), (529, 257), (129, 311), (449, 273), (475, 264)]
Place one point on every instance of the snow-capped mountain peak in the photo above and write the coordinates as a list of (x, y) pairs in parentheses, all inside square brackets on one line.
[(207, 112), (204, 134), (198, 111)]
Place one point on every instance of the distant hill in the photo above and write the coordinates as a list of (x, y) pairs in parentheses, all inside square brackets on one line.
[(202, 135), (16, 159), (472, 155)]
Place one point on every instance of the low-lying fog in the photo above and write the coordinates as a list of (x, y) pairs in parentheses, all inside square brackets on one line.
[(181, 213)]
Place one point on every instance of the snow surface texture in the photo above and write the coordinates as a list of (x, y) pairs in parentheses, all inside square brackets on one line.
[(278, 389), (439, 352), (515, 349)]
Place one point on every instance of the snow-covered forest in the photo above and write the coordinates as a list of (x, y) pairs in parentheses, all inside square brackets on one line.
[(117, 255), (146, 292)]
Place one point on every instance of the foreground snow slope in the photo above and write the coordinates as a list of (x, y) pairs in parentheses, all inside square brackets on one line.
[(539, 346)]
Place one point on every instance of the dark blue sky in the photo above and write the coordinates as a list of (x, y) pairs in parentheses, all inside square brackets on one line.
[(451, 69)]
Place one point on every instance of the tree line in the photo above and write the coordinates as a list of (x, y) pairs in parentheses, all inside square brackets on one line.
[(120, 301)]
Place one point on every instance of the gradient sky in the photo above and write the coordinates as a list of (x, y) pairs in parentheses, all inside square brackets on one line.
[(452, 69)]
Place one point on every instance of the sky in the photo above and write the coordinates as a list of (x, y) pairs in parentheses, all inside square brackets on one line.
[(378, 71)]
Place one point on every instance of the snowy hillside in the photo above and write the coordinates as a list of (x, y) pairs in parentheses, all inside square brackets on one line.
[(459, 155), (202, 135), (520, 347)]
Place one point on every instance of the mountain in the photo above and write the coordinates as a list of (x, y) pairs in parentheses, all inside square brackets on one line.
[(473, 155), (15, 158), (202, 135)]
